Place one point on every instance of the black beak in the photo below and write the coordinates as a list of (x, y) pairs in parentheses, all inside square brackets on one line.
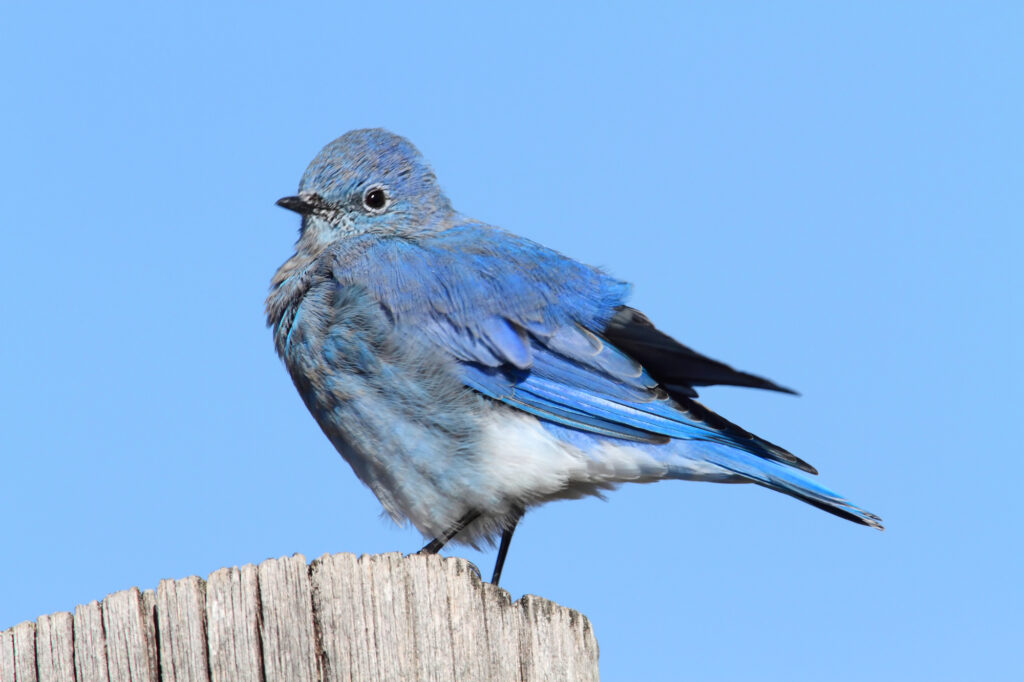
[(297, 204)]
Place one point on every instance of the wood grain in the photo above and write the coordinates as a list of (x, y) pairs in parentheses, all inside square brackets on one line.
[(129, 629), (55, 648), (289, 643), (233, 625), (380, 617), (25, 652), (181, 623), (90, 643)]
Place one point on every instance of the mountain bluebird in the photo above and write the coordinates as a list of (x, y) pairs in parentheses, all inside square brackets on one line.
[(468, 374)]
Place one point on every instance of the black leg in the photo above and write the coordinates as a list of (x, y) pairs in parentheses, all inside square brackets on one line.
[(506, 540), (435, 545)]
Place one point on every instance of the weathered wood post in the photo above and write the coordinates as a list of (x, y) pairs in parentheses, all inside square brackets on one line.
[(382, 617)]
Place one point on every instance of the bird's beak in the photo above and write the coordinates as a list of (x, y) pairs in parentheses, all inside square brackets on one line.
[(297, 204)]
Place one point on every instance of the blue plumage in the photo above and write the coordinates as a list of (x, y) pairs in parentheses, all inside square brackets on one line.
[(467, 374)]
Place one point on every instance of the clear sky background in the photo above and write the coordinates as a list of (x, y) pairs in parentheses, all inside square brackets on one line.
[(829, 196)]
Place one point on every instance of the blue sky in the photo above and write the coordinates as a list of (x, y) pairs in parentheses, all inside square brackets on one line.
[(828, 196)]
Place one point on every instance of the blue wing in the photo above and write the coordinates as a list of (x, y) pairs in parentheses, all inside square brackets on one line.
[(525, 324), (591, 385)]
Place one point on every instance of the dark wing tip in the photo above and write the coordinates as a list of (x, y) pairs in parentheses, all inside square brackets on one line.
[(769, 385), (846, 511), (789, 458), (745, 380), (740, 437), (672, 363)]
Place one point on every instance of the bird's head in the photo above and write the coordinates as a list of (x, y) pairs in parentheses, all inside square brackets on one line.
[(367, 181)]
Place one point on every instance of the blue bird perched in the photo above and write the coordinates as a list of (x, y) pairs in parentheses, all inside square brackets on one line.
[(467, 374)]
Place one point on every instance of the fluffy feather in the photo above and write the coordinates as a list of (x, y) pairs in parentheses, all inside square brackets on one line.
[(461, 369)]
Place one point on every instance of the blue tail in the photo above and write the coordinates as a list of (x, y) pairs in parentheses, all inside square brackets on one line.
[(787, 480)]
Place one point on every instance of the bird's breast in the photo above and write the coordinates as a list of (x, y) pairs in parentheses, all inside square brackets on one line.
[(392, 404)]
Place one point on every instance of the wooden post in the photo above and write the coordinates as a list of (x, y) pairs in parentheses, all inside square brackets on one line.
[(382, 617)]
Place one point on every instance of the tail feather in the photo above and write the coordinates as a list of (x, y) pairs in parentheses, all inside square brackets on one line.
[(787, 480)]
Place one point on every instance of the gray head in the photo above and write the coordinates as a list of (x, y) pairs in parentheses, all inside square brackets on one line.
[(367, 180)]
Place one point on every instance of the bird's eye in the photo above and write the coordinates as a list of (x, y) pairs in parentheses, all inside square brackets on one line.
[(375, 199)]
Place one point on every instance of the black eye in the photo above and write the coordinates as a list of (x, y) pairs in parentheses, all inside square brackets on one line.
[(375, 199)]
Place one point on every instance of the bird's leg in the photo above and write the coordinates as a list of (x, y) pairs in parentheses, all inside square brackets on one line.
[(435, 545), (506, 540)]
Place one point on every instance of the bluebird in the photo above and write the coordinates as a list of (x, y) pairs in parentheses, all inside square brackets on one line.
[(467, 374)]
